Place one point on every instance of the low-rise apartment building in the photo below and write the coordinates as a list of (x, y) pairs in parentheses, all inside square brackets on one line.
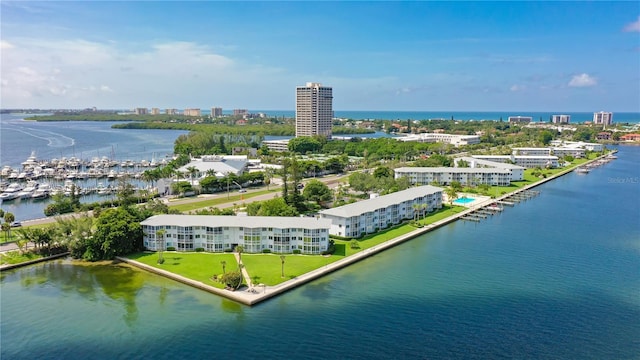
[(446, 175), (516, 171), (561, 151), (277, 145), (526, 161), (309, 235), (453, 139), (578, 144), (368, 216)]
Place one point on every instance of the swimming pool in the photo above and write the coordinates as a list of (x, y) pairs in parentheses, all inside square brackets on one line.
[(463, 200)]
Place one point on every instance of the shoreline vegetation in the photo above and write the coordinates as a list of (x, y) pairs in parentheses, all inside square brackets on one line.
[(261, 272)]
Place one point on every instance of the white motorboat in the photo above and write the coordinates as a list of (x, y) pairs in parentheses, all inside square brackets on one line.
[(42, 192), (28, 191), (11, 192)]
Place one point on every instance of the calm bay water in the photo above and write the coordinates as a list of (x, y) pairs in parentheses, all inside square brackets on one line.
[(556, 277), (81, 139)]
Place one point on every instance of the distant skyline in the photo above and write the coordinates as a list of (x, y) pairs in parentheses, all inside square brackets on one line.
[(377, 56)]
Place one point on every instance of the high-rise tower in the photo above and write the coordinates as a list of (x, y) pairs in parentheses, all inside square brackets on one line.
[(314, 110)]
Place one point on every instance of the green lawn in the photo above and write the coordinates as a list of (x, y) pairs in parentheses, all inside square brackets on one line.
[(219, 200), (196, 266), (267, 268), (14, 257), (14, 233)]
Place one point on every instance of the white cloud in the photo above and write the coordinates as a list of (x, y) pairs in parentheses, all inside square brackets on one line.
[(582, 80), (633, 27), (5, 45), (172, 74), (515, 88)]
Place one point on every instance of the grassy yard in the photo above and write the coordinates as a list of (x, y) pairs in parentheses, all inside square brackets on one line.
[(219, 200), (196, 266), (267, 268), (15, 257), (14, 233)]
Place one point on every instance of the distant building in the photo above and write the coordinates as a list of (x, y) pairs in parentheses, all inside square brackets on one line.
[(603, 118), (520, 119), (309, 235), (314, 110), (560, 119), (217, 165), (576, 152), (240, 112), (171, 111), (578, 144), (191, 112), (526, 161), (603, 135), (516, 171), (630, 137), (277, 145), (141, 111), (216, 111), (155, 111), (453, 139)]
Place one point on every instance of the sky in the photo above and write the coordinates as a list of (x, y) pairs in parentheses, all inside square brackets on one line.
[(393, 56)]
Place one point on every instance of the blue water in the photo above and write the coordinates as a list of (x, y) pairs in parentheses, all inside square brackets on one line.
[(81, 139), (555, 277), (463, 200)]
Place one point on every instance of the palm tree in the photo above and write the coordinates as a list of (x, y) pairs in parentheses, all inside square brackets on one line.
[(452, 194), (192, 171), (8, 219), (416, 207), (6, 228), (239, 250), (282, 261), (160, 235)]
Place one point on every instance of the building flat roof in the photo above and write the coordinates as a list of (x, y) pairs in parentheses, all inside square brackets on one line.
[(280, 222), (452, 170), (491, 163), (221, 165), (548, 157), (384, 201)]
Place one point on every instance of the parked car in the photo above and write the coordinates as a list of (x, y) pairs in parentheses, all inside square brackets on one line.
[(242, 191), (16, 224)]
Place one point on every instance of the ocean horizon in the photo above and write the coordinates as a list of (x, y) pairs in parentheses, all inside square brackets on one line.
[(576, 117)]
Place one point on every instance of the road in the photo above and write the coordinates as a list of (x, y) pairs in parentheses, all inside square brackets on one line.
[(330, 180)]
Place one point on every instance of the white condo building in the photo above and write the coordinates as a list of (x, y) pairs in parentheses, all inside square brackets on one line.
[(576, 152), (603, 118), (520, 119), (254, 233), (314, 110), (368, 216), (453, 139), (526, 161), (516, 171), (446, 175), (560, 119), (578, 145)]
